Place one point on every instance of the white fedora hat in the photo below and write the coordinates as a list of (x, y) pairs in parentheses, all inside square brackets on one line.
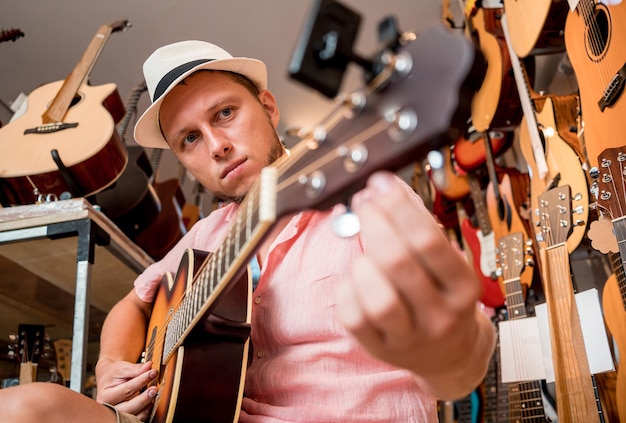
[(172, 63)]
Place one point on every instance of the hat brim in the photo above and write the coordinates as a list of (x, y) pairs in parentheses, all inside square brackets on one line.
[(147, 131)]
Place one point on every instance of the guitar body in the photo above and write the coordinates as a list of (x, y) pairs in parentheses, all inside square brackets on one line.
[(595, 66), (131, 202), (92, 151), (536, 26), (483, 253), (504, 213), (613, 296), (496, 104), (167, 228), (471, 154), (447, 180), (187, 387), (564, 168)]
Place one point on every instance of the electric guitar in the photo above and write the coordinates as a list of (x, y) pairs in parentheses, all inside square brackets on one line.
[(199, 328), (575, 393), (594, 34), (536, 26), (66, 139), (611, 198), (481, 240)]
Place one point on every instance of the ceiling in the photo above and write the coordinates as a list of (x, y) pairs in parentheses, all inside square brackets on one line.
[(56, 34)]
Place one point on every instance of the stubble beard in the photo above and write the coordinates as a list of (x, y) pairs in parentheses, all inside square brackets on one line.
[(276, 151)]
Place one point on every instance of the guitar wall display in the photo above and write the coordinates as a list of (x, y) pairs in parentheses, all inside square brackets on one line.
[(205, 287), (594, 37), (66, 140)]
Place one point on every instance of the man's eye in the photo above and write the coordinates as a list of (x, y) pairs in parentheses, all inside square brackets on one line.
[(226, 112), (189, 139)]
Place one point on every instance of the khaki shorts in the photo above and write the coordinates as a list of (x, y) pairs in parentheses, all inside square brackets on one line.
[(123, 417)]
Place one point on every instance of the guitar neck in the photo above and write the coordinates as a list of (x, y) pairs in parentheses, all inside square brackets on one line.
[(576, 400), (480, 204), (618, 261), (62, 101), (254, 218)]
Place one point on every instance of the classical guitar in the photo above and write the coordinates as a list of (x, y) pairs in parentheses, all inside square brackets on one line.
[(611, 199), (575, 393), (66, 139), (199, 329), (594, 34), (536, 26)]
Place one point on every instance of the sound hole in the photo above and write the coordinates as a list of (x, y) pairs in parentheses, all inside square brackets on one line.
[(598, 32)]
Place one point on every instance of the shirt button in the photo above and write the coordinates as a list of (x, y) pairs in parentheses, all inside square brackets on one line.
[(259, 353), (257, 300)]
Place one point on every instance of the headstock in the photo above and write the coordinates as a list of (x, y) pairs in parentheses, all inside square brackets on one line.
[(63, 352), (31, 343), (611, 182), (555, 215), (121, 25), (420, 102), (511, 250)]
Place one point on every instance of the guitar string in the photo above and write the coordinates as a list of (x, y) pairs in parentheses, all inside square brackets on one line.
[(595, 36)]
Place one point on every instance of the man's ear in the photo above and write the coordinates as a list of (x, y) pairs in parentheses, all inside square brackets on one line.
[(271, 106)]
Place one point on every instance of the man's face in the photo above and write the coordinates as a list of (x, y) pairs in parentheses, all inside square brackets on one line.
[(221, 132)]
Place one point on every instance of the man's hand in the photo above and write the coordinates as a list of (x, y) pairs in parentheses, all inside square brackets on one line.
[(120, 384), (412, 298)]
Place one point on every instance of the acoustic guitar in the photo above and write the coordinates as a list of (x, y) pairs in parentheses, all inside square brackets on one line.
[(496, 104), (524, 399), (66, 139), (575, 393), (165, 229), (594, 37), (206, 306), (611, 198), (536, 26)]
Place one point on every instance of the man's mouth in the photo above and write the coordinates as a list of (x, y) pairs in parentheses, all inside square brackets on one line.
[(232, 167)]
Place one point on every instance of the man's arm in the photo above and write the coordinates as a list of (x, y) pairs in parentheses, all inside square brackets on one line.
[(120, 378), (412, 299)]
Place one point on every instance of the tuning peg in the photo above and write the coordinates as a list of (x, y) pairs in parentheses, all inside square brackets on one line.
[(530, 262), (346, 224), (594, 173)]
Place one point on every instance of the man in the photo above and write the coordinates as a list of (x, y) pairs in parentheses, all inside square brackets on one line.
[(369, 328)]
